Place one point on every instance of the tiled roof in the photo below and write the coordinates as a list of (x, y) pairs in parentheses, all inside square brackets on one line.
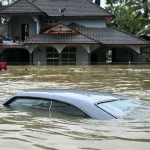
[(59, 39), (53, 7), (105, 36), (3, 30), (21, 6), (73, 8), (109, 36)]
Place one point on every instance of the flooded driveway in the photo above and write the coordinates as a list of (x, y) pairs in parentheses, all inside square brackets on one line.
[(23, 130)]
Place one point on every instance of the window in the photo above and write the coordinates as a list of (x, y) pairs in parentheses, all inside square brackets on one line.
[(69, 56), (109, 56), (45, 21), (48, 21), (52, 56), (31, 102), (119, 107), (55, 21), (50, 105)]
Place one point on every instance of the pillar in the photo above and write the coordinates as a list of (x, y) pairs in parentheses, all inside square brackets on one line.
[(37, 26), (35, 18), (30, 58), (139, 58), (60, 58), (89, 58)]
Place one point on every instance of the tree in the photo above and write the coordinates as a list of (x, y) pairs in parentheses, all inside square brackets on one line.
[(131, 15), (7, 2), (0, 8)]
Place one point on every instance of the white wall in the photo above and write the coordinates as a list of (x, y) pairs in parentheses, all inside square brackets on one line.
[(81, 56), (39, 54)]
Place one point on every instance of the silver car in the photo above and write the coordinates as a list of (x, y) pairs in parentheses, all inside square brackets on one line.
[(83, 103)]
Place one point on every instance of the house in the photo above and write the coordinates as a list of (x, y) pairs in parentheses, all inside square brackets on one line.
[(59, 32)]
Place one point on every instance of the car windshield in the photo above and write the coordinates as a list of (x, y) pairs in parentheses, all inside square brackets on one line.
[(120, 107)]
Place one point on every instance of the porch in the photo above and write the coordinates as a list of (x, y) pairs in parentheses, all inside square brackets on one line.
[(69, 54)]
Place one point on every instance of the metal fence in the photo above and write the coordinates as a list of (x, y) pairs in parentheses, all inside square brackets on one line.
[(78, 63)]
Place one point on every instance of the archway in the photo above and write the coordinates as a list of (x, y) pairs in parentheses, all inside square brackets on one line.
[(47, 55), (74, 55), (98, 56), (15, 56), (124, 55), (52, 56), (110, 54)]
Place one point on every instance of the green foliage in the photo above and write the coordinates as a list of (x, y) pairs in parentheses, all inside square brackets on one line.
[(131, 15), (1, 8)]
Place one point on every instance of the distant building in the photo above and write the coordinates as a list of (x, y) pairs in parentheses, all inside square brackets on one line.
[(64, 32)]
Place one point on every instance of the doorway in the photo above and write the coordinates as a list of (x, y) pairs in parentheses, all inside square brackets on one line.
[(94, 60), (24, 31), (15, 56)]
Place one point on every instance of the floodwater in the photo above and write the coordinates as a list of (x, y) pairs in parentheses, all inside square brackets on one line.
[(23, 131)]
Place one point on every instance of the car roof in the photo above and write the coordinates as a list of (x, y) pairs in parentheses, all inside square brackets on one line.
[(71, 95), (82, 99)]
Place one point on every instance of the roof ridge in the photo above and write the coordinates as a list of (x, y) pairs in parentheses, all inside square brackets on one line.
[(131, 35), (84, 34), (35, 6), (91, 38)]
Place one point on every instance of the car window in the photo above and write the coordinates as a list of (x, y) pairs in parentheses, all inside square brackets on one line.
[(49, 105), (119, 107), (31, 102), (66, 108)]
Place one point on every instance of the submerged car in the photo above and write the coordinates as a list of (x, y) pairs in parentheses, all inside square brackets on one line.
[(83, 103)]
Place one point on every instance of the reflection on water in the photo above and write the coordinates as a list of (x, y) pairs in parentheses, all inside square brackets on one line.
[(23, 130)]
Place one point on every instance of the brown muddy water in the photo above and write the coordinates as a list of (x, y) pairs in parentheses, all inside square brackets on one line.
[(23, 131)]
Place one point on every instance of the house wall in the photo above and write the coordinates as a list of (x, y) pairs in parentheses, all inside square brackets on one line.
[(89, 22), (15, 25), (144, 57), (81, 56), (86, 22), (39, 54), (145, 53), (16, 20)]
